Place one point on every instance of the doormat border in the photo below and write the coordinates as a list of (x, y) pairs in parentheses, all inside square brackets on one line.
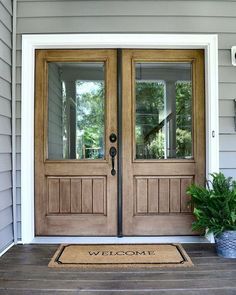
[(186, 262)]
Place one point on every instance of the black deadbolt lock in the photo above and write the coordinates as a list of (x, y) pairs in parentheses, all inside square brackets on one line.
[(113, 137)]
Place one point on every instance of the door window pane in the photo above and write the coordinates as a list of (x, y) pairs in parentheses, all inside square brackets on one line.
[(163, 121), (76, 110)]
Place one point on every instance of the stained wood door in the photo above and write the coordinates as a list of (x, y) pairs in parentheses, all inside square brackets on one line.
[(163, 139), (75, 112)]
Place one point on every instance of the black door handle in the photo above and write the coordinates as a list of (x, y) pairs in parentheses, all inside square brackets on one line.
[(113, 153)]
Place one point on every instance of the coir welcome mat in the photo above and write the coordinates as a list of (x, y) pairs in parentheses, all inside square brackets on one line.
[(121, 255)]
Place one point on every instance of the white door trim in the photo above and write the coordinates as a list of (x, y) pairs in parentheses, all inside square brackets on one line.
[(177, 41)]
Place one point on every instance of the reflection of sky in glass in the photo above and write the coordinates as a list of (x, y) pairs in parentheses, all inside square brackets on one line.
[(86, 87)]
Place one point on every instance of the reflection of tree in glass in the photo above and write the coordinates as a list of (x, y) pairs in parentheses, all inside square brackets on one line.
[(183, 119), (149, 104), (151, 119), (90, 119)]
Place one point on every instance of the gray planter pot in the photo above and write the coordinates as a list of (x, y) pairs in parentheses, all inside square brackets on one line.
[(226, 244)]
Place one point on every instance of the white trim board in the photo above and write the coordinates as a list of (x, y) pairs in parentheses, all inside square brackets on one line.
[(116, 240), (177, 41), (4, 251)]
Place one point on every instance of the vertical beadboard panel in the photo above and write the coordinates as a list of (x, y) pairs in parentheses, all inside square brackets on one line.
[(53, 195), (76, 195), (201, 17), (87, 195), (6, 218)]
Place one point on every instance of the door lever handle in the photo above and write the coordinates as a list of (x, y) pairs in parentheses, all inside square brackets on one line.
[(113, 153)]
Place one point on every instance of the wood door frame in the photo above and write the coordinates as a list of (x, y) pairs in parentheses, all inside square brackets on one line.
[(66, 41)]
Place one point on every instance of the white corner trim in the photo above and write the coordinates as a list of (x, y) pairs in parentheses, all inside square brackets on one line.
[(5, 250), (63, 41)]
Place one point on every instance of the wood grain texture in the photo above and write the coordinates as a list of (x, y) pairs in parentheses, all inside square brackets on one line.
[(87, 196), (64, 195), (153, 195), (175, 195), (98, 195), (84, 208), (171, 212), (76, 194), (53, 195), (157, 195), (142, 195), (185, 206), (164, 198)]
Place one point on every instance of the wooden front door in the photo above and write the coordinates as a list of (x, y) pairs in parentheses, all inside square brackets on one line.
[(75, 112), (163, 139)]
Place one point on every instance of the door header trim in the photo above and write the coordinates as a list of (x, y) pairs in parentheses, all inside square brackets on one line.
[(79, 41)]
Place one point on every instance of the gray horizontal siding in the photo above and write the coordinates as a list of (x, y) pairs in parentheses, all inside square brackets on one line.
[(228, 172), (5, 53), (227, 142), (5, 16), (8, 5), (5, 125), (18, 109), (5, 180), (5, 71), (218, 17), (18, 144), (6, 218), (5, 162), (120, 8), (5, 34), (5, 88), (5, 146), (227, 125), (5, 107), (134, 23), (228, 160), (6, 237), (227, 90), (6, 200)]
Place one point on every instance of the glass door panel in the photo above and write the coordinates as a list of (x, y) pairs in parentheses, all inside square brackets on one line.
[(76, 110), (163, 118)]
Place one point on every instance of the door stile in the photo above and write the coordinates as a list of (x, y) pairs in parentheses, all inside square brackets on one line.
[(127, 169)]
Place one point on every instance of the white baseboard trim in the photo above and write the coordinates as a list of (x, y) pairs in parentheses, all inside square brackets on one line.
[(116, 240), (4, 251)]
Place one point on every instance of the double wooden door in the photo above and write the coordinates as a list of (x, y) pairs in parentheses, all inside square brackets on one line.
[(159, 147)]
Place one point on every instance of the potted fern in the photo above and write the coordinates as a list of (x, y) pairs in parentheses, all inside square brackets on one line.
[(215, 211)]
